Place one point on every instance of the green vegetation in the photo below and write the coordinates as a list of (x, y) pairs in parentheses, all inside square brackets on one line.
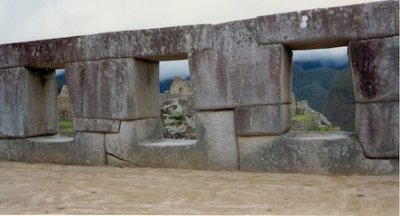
[(312, 85), (339, 107), (308, 122), (302, 117), (66, 127)]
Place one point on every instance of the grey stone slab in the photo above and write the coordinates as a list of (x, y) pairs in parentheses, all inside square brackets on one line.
[(329, 27), (375, 69), (89, 149), (154, 44), (216, 137), (333, 153), (28, 105), (170, 153), (238, 71), (377, 127), (96, 125), (262, 120), (45, 149), (123, 89), (124, 144)]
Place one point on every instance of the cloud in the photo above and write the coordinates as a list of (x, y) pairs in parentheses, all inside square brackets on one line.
[(171, 69), (336, 55)]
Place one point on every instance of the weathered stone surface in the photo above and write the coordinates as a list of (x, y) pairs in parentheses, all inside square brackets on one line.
[(330, 27), (113, 161), (88, 149), (216, 135), (44, 149), (238, 71), (28, 105), (311, 153), (96, 125), (172, 153), (154, 44), (123, 89), (262, 120), (124, 144), (375, 69), (377, 127)]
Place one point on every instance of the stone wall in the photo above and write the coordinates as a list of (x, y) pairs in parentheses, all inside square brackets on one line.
[(242, 83)]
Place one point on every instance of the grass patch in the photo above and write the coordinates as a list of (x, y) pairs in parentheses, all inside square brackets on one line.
[(66, 127), (301, 117)]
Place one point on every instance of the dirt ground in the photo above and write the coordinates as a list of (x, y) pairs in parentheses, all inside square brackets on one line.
[(57, 189)]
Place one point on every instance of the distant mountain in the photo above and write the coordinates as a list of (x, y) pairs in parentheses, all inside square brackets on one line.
[(339, 107), (61, 81), (338, 64), (312, 84)]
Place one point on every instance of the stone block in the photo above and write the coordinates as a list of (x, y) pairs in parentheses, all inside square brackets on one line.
[(28, 105), (89, 149), (377, 127), (238, 71), (333, 153), (155, 44), (375, 69), (124, 144), (216, 136), (170, 153), (329, 27), (123, 89), (44, 149), (262, 120), (96, 125)]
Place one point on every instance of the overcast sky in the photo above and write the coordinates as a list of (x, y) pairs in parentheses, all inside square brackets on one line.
[(25, 20)]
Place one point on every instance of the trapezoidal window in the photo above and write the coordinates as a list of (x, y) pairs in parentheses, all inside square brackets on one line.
[(64, 108), (176, 100), (322, 91)]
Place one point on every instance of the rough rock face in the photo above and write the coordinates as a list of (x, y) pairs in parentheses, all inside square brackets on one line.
[(177, 116)]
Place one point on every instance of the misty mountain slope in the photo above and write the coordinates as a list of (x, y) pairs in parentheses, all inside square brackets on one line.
[(339, 107), (312, 85)]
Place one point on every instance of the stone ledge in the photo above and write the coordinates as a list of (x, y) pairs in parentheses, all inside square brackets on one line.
[(329, 27), (334, 153), (154, 44)]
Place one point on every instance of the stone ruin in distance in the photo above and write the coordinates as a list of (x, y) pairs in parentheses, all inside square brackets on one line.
[(242, 82)]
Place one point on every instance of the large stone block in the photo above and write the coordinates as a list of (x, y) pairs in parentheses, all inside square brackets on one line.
[(262, 120), (115, 89), (44, 149), (216, 137), (154, 44), (336, 153), (330, 27), (96, 125), (170, 153), (375, 69), (238, 71), (89, 149), (377, 127), (28, 105), (124, 144)]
